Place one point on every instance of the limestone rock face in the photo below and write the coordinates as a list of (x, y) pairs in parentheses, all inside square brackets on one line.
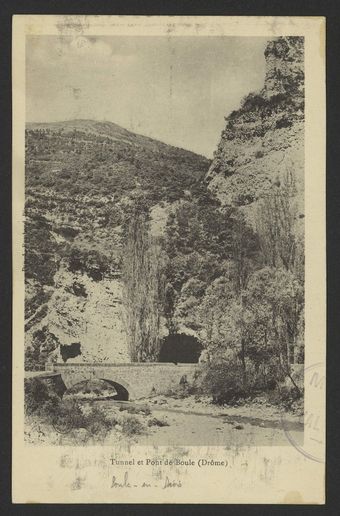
[(264, 139), (85, 318)]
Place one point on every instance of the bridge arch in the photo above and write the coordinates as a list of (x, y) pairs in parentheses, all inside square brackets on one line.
[(124, 391)]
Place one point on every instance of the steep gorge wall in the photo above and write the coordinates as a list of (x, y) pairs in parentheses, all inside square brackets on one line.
[(73, 293), (264, 139), (83, 321)]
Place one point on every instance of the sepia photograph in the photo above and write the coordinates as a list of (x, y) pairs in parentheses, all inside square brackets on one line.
[(163, 243), (164, 239)]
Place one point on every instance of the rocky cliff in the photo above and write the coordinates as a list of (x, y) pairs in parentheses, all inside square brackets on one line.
[(82, 178), (264, 138)]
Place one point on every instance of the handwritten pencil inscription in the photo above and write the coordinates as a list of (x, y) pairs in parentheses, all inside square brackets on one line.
[(124, 482)]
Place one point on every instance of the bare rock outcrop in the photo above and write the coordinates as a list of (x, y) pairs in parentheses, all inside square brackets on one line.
[(264, 139)]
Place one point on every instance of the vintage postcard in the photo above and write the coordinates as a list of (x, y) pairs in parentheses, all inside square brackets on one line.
[(169, 259)]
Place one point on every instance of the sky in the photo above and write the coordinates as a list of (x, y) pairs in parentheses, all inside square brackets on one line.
[(175, 89)]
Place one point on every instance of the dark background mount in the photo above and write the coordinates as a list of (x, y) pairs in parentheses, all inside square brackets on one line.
[(328, 8)]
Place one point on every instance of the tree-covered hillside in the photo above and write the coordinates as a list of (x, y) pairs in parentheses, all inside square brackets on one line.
[(100, 158)]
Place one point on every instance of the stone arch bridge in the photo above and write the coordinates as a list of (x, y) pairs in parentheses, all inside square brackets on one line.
[(138, 379)]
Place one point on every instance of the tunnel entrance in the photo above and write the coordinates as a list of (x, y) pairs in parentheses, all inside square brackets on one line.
[(180, 348), (70, 350)]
